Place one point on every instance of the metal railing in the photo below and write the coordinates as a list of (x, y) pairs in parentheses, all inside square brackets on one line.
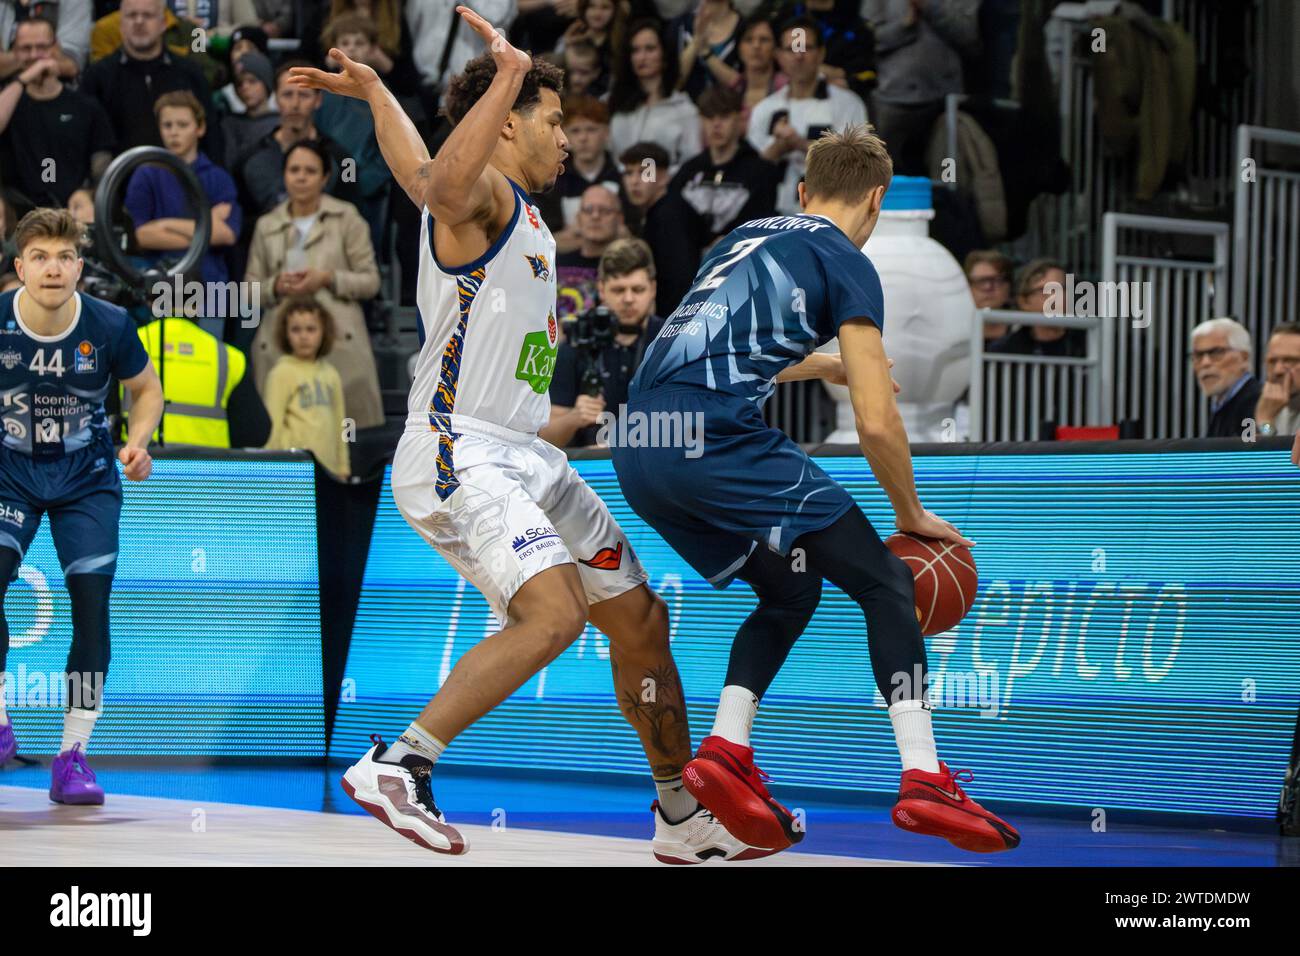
[(1068, 227), (1152, 379), (1072, 221), (1265, 235), (1232, 84), (1012, 395), (802, 410)]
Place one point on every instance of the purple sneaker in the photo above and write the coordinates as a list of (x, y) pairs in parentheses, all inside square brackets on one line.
[(72, 781), (8, 745)]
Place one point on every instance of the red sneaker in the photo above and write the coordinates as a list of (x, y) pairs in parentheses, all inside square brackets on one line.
[(934, 804), (725, 781)]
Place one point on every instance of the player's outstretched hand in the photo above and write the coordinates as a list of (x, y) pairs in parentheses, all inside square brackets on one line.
[(930, 525), (506, 56), (136, 462), (354, 80)]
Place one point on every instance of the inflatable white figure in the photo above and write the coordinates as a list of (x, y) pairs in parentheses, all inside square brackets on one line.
[(928, 315)]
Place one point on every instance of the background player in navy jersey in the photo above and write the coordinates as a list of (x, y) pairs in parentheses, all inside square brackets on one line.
[(768, 294), (60, 352)]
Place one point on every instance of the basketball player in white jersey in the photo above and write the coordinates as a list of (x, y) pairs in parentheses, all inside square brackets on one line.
[(470, 474)]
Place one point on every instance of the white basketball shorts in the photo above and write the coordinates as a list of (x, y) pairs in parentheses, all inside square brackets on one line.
[(502, 506)]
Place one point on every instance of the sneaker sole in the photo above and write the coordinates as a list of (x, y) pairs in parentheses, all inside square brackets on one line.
[(91, 800), (966, 831), (750, 853), (378, 807), (746, 815)]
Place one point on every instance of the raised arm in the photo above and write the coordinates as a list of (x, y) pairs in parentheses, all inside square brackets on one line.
[(404, 151), (456, 186), (456, 179)]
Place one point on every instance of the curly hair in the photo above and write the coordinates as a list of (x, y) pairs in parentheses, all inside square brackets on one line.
[(468, 87), (304, 303)]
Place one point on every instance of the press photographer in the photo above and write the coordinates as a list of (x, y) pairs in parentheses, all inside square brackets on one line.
[(603, 347)]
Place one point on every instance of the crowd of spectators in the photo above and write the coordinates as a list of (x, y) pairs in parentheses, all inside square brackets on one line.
[(685, 118)]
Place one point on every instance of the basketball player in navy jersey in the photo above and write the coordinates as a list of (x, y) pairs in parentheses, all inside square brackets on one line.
[(60, 352), (767, 295)]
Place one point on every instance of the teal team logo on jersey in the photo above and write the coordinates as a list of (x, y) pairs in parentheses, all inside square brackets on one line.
[(541, 268)]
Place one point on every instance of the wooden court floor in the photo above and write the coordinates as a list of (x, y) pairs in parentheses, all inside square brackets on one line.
[(151, 831)]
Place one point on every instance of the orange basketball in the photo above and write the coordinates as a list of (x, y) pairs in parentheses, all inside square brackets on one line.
[(946, 579)]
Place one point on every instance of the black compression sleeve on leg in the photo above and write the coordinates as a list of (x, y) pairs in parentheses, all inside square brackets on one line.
[(9, 562), (851, 555), (786, 601), (88, 658)]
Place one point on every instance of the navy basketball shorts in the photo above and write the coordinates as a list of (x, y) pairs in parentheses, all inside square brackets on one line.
[(82, 493), (723, 483)]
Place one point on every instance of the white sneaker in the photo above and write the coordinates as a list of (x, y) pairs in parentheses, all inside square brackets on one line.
[(698, 838), (401, 797)]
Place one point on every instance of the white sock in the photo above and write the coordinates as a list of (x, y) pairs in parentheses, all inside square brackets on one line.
[(736, 710), (4, 715), (914, 735), (675, 800), (415, 740), (78, 725)]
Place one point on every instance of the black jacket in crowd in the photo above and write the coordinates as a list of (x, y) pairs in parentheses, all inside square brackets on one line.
[(1226, 422)]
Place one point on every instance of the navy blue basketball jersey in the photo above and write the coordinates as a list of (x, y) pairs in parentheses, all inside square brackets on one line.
[(768, 294), (52, 388)]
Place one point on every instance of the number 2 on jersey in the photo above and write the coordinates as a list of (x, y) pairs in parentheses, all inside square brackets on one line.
[(718, 274)]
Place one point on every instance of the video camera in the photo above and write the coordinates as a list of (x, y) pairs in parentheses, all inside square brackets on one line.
[(589, 334)]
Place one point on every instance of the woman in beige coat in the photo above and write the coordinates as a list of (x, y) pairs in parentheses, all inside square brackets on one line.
[(314, 244)]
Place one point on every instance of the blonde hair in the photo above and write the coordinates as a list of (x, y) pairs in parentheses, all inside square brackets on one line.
[(847, 164)]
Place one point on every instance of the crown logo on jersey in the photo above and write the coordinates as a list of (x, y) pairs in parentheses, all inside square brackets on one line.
[(532, 217), (541, 268), (552, 330)]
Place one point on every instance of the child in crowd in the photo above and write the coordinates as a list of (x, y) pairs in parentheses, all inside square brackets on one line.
[(303, 393), (253, 84), (162, 214)]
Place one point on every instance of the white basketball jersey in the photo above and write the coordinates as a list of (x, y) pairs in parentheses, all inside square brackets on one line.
[(489, 333)]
